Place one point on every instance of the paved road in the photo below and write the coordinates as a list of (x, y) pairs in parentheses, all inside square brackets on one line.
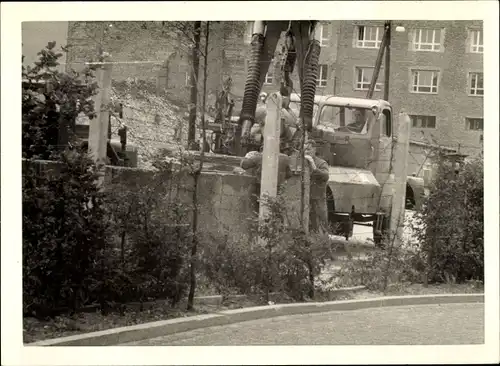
[(449, 324)]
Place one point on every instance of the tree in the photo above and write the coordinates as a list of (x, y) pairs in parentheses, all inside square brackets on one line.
[(195, 61), (51, 102)]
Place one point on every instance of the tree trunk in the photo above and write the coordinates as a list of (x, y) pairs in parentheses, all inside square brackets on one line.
[(195, 65), (197, 174)]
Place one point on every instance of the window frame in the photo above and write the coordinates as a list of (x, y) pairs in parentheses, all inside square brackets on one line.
[(387, 128), (475, 119), (422, 116), (323, 42), (362, 43), (267, 77), (417, 40), (424, 69), (378, 85), (470, 87), (471, 46), (320, 80)]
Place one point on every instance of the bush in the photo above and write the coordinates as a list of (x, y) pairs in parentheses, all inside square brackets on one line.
[(64, 230), (450, 226), (286, 261), (152, 235)]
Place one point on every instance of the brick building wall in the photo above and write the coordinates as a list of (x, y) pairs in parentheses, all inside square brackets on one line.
[(229, 47), (450, 106)]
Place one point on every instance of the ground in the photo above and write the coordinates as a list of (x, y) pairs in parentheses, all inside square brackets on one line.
[(447, 324), (35, 330)]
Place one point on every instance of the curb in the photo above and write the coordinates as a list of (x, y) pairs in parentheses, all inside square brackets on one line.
[(165, 327), (273, 296)]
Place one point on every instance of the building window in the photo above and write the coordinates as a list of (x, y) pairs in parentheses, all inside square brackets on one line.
[(425, 81), (476, 83), (423, 121), (476, 41), (369, 37), (364, 77), (427, 40), (324, 40), (474, 124), (269, 77), (323, 75)]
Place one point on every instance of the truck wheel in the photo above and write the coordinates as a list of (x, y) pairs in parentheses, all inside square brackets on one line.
[(378, 235)]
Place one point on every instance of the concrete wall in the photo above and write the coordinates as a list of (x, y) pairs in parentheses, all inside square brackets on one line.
[(226, 201), (36, 35)]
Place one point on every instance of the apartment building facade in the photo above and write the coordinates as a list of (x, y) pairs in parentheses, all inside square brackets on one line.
[(436, 76)]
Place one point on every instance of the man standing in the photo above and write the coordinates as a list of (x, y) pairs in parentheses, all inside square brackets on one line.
[(318, 212)]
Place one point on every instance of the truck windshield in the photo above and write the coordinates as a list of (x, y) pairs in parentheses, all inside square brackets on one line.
[(346, 119), (295, 109)]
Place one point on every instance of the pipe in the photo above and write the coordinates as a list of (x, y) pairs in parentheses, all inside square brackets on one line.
[(252, 85)]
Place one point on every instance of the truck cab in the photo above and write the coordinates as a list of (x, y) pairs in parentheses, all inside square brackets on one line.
[(358, 134)]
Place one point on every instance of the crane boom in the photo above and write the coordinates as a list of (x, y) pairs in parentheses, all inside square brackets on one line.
[(384, 47)]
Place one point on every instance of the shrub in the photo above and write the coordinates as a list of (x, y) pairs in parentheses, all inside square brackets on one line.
[(450, 226), (64, 228), (287, 260), (151, 234)]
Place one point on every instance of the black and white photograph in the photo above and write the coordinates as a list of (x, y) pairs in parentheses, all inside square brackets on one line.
[(192, 175)]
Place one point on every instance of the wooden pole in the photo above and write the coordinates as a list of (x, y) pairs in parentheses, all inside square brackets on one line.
[(98, 131)]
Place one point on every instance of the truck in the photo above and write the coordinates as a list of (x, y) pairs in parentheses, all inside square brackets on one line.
[(359, 132)]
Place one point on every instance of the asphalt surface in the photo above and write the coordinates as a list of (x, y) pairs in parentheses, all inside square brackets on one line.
[(449, 324)]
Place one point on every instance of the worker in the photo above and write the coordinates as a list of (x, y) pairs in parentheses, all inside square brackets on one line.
[(319, 170), (252, 163), (358, 121)]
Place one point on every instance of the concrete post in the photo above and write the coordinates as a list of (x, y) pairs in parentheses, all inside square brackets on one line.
[(98, 131), (271, 151), (400, 176)]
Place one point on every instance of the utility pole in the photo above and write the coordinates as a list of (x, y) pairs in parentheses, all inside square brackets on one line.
[(98, 131), (387, 28)]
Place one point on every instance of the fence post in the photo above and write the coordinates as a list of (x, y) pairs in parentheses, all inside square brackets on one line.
[(271, 151), (98, 131)]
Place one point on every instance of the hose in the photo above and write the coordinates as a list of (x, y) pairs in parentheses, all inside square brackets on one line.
[(291, 57), (309, 83), (252, 86)]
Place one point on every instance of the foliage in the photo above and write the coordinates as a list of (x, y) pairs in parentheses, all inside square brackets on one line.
[(286, 260), (51, 102), (64, 230), (449, 245), (149, 222), (450, 227)]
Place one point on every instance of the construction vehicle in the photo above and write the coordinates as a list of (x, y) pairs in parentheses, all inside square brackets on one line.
[(358, 131)]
